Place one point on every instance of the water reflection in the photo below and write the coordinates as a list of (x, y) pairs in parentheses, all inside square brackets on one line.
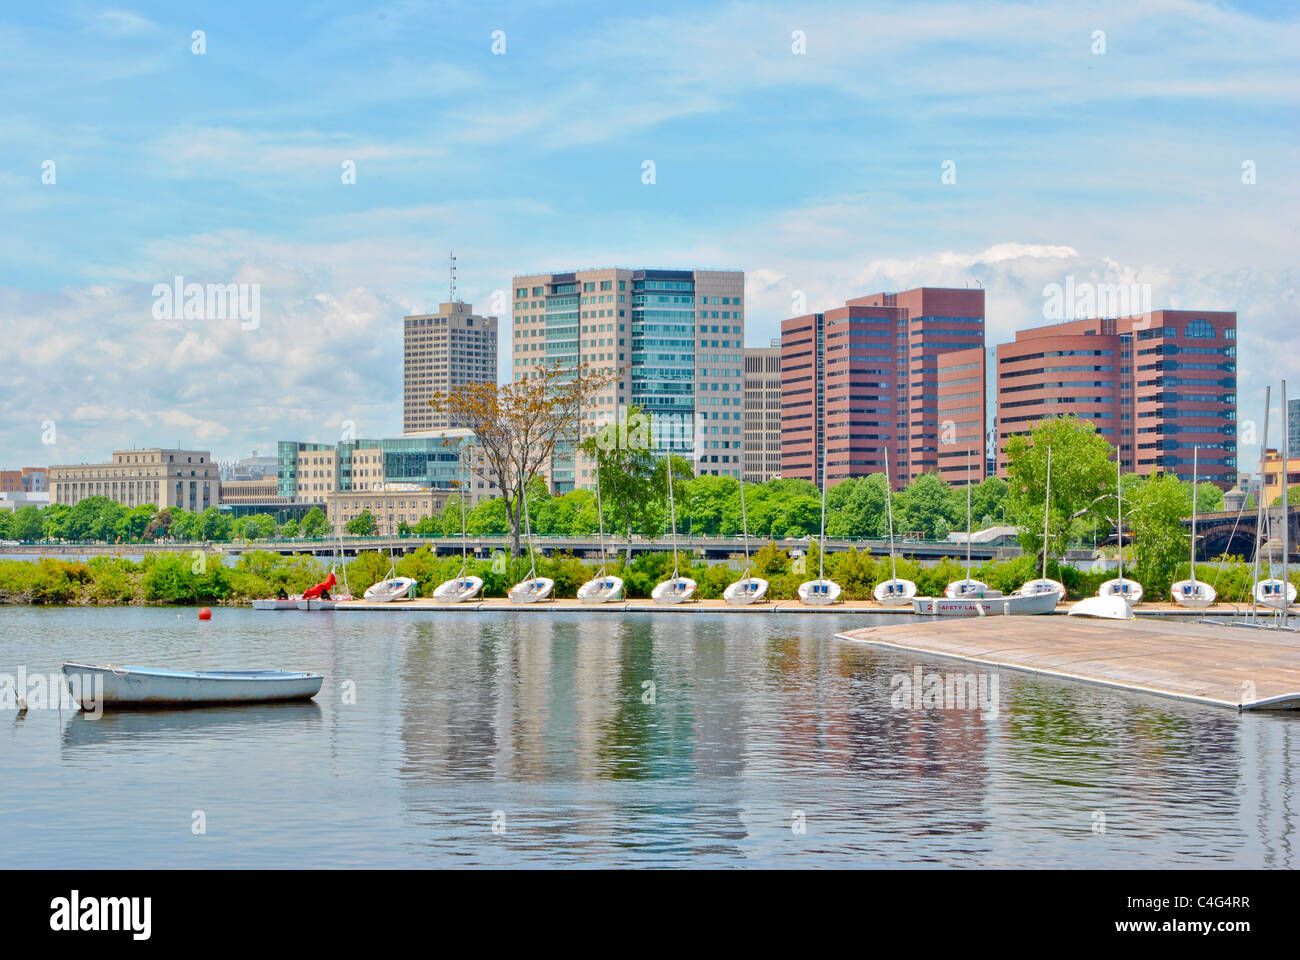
[(197, 725), (608, 740)]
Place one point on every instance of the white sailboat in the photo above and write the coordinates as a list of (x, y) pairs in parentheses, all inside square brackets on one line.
[(676, 589), (1130, 591), (969, 587), (464, 586), (821, 591), (532, 588), (892, 592), (603, 587), (1044, 584), (1270, 592), (747, 589), (392, 587), (1191, 592)]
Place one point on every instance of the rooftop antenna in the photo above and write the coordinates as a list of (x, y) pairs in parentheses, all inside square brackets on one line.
[(453, 276)]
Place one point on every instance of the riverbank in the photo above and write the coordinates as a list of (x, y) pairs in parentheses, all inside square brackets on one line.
[(196, 577)]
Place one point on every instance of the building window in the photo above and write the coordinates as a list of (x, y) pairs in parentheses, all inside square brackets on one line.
[(1199, 330)]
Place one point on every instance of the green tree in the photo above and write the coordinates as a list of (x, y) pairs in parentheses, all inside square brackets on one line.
[(289, 529), (362, 525), (1083, 481), (27, 524), (931, 506), (136, 522), (1154, 512), (857, 509), (314, 524), (633, 495)]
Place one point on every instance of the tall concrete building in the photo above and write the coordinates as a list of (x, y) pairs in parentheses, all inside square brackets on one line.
[(762, 410), (165, 478), (675, 339), (897, 371), (1155, 385), (442, 350)]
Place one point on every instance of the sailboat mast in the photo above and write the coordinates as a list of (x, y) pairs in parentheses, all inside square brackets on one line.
[(528, 530), (1047, 509), (968, 516), (600, 521), (1286, 519), (889, 512), (821, 552), (1119, 512), (744, 523), (464, 533), (1260, 511), (1195, 454), (672, 510)]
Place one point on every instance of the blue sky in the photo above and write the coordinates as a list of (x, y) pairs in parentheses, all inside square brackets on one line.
[(817, 173)]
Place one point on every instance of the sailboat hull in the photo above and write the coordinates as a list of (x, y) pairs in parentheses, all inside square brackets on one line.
[(459, 590), (601, 590), (894, 593), (998, 606), (676, 590), (1193, 594), (745, 591), (532, 591)]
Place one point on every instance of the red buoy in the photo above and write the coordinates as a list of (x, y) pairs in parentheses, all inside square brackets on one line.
[(205, 613)]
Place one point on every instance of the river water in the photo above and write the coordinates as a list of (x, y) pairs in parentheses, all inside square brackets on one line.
[(571, 739)]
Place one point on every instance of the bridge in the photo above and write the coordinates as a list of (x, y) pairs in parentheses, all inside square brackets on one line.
[(706, 548), (1233, 533)]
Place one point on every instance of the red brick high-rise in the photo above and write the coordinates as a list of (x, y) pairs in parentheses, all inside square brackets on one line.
[(1156, 385), (898, 370)]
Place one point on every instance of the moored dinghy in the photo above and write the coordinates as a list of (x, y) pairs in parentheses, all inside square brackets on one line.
[(676, 589), (747, 589), (893, 592), (821, 591), (604, 587), (1105, 608), (464, 586), (112, 686)]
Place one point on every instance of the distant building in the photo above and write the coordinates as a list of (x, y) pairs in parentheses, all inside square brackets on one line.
[(1156, 386), (762, 409), (391, 506), (16, 501), (315, 472), (1293, 425), (36, 479), (243, 492), (187, 479), (11, 481), (676, 339), (452, 347), (249, 468), (902, 371), (1273, 474)]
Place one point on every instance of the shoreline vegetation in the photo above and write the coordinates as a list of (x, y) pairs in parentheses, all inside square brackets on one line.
[(169, 579)]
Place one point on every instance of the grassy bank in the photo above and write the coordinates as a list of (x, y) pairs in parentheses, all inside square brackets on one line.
[(184, 578)]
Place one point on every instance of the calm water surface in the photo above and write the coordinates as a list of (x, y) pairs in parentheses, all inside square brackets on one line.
[(537, 723)]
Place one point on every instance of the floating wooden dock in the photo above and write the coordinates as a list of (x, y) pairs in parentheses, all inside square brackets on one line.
[(1227, 666)]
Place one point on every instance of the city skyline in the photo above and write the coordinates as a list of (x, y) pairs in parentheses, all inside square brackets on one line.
[(820, 183)]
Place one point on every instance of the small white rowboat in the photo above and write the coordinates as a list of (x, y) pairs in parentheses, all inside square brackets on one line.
[(112, 686), (1104, 608)]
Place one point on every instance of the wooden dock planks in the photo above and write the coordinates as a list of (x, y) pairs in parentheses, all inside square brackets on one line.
[(1216, 664)]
